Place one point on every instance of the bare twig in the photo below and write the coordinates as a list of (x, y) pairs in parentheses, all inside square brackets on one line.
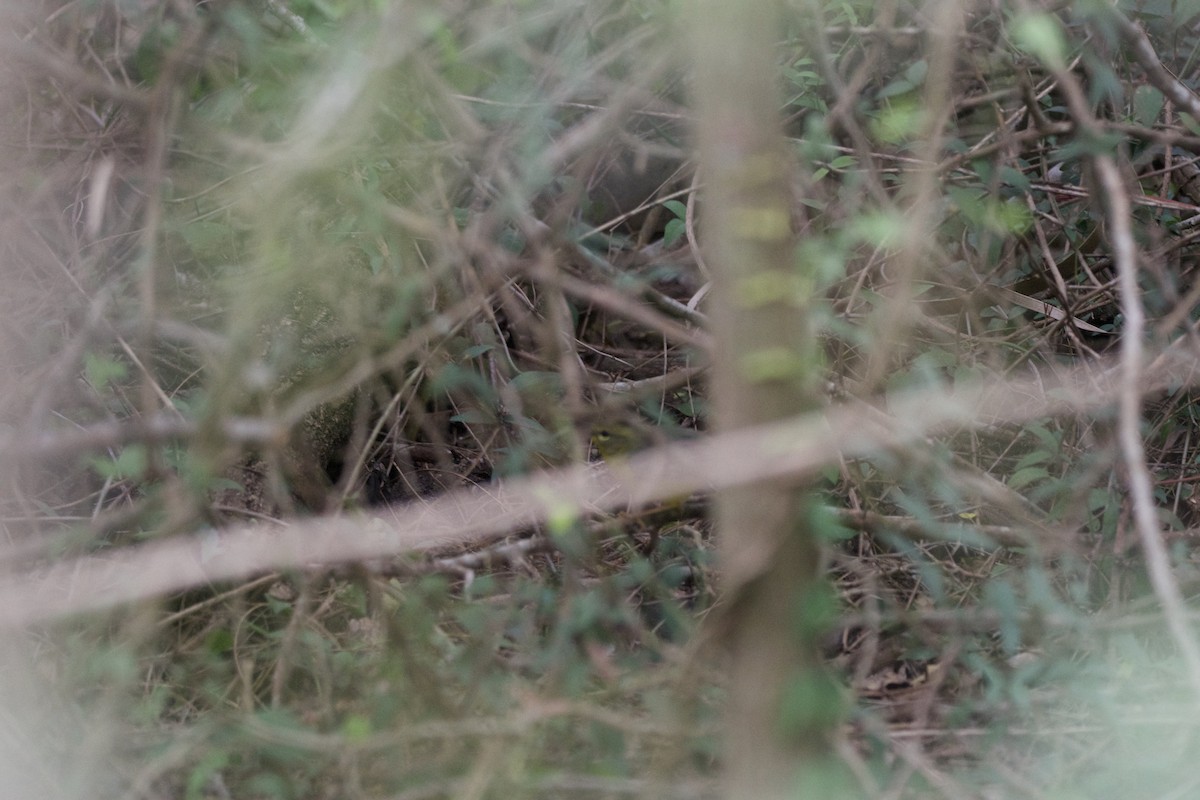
[(1129, 433), (659, 300), (478, 516), (293, 21), (1118, 210), (1139, 43)]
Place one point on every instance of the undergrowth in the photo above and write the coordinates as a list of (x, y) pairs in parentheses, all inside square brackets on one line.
[(266, 262)]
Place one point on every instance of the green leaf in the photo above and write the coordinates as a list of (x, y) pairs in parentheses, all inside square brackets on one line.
[(1099, 499), (1010, 176), (210, 240), (1148, 103), (880, 229), (1041, 35), (901, 120), (1024, 477), (101, 370), (916, 72), (1001, 597), (357, 728), (1051, 440), (913, 77), (774, 364), (677, 208), (1036, 457), (219, 641), (674, 231), (130, 463), (1185, 10), (477, 350), (211, 762)]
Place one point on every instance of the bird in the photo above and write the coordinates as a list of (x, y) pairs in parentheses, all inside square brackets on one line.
[(615, 439)]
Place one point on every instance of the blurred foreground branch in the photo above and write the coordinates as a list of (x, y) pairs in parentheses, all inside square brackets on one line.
[(794, 447)]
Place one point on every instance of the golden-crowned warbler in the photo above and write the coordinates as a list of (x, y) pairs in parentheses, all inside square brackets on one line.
[(617, 439)]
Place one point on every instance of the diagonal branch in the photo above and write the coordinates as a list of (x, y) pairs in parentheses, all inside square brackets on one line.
[(1162, 79), (1118, 210), (796, 447)]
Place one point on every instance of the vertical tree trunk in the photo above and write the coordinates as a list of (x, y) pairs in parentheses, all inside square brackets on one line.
[(765, 369)]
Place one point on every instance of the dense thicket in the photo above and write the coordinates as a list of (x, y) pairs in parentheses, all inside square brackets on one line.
[(316, 317)]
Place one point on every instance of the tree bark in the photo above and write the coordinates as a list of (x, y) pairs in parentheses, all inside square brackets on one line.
[(765, 369)]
